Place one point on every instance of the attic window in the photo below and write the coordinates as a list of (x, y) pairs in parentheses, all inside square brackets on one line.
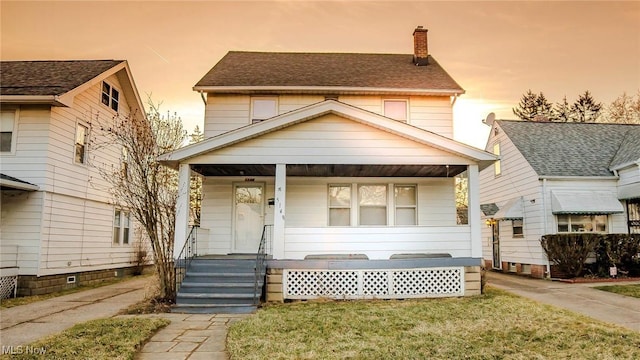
[(110, 96), (396, 109), (263, 108)]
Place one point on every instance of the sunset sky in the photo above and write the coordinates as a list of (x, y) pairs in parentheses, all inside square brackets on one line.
[(495, 50)]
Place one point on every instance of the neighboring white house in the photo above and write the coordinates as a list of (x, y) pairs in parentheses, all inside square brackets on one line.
[(346, 156), (556, 178), (59, 225)]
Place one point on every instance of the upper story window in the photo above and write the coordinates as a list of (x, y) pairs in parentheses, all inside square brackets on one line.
[(582, 223), (497, 165), (82, 134), (7, 130), (110, 96), (396, 109), (263, 108)]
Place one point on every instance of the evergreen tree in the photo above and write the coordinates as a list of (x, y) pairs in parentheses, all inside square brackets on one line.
[(562, 111), (534, 107), (586, 109)]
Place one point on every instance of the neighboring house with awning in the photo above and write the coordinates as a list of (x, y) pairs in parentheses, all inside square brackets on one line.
[(59, 225), (556, 178)]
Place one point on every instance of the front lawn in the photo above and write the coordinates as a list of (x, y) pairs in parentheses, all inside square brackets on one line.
[(492, 326), (628, 290), (114, 338)]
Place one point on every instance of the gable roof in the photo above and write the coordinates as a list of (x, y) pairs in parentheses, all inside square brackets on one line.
[(244, 72), (56, 82), (313, 111), (573, 149), (49, 77)]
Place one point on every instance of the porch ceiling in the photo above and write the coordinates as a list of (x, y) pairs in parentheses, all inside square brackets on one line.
[(332, 170)]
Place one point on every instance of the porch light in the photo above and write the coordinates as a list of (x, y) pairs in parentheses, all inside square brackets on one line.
[(490, 222)]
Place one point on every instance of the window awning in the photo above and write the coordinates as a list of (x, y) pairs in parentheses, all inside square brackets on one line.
[(629, 191), (585, 202), (511, 210)]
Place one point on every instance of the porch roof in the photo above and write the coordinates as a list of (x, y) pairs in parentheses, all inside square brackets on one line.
[(334, 170), (420, 136)]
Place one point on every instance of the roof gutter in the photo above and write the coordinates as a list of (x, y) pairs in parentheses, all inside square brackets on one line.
[(17, 185), (325, 90), (576, 178), (54, 100)]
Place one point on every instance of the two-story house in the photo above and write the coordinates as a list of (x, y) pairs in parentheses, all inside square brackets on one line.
[(556, 178), (347, 161), (59, 225)]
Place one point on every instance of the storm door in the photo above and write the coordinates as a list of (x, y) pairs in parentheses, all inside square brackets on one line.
[(495, 229), (248, 217), (633, 213)]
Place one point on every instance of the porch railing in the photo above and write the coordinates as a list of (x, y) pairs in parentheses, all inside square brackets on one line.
[(187, 254), (263, 250)]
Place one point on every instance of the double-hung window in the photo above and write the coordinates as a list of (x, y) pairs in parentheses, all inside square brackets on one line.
[(339, 205), (406, 204), (516, 226), (396, 109), (372, 204), (263, 108), (110, 96), (497, 168), (121, 227), (82, 134), (571, 223), (7, 130)]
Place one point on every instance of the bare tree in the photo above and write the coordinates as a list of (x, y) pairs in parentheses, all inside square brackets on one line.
[(624, 110), (148, 189), (195, 191)]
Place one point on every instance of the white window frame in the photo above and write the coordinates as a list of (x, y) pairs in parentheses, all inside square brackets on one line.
[(514, 226), (497, 165), (331, 207), (414, 206), (110, 99), (14, 136), (85, 145), (121, 227), (253, 119), (391, 206), (594, 224), (406, 109)]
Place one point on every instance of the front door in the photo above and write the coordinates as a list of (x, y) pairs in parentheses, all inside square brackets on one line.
[(495, 227), (248, 217)]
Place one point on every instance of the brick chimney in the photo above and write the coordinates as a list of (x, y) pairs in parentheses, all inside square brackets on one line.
[(420, 48)]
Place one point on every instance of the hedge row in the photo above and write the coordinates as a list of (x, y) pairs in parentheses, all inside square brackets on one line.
[(569, 252)]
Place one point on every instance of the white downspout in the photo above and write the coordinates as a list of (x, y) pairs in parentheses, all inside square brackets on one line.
[(545, 220)]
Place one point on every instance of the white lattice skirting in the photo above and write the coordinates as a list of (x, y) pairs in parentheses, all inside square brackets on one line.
[(8, 286), (373, 284)]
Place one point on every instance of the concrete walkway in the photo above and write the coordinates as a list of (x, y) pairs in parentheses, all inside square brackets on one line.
[(581, 298), (22, 325)]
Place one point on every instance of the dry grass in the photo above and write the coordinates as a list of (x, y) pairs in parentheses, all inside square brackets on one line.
[(628, 290), (114, 338), (492, 326)]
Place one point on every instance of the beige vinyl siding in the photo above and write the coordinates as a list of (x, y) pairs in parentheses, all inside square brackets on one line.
[(224, 113), (329, 139), (517, 179), (307, 208), (77, 236), (21, 219)]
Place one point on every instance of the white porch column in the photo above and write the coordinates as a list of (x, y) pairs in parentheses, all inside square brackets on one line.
[(279, 211), (474, 211), (182, 209)]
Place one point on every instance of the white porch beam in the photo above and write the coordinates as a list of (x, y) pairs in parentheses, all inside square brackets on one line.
[(474, 211), (182, 209), (279, 211)]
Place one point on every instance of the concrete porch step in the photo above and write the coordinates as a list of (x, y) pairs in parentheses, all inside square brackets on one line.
[(214, 309)]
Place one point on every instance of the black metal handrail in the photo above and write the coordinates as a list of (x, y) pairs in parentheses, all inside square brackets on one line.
[(187, 254), (261, 256)]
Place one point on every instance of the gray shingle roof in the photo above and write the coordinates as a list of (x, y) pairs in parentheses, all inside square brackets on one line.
[(49, 77), (389, 71), (573, 149)]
